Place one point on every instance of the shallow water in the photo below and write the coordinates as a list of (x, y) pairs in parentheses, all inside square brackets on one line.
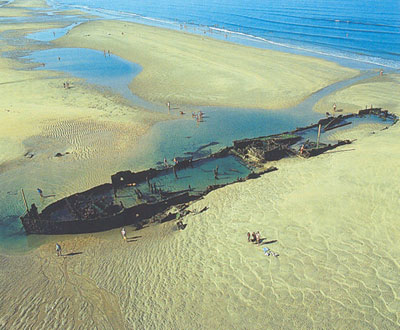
[(168, 139), (176, 138), (51, 34), (221, 126), (195, 179)]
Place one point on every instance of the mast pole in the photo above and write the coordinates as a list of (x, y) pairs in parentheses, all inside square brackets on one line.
[(23, 196), (319, 134)]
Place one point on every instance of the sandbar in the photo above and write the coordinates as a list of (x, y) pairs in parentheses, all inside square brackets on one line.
[(39, 118), (188, 69)]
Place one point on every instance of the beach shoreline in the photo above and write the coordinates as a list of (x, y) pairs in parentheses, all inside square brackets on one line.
[(207, 72), (332, 219)]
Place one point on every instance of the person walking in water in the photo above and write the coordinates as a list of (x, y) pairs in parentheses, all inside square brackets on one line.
[(216, 173), (40, 192), (58, 250), (123, 233)]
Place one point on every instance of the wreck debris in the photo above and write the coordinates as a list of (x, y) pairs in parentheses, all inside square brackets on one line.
[(98, 209)]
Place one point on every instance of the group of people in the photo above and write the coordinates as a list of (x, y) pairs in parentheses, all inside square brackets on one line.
[(198, 116), (254, 237), (66, 85)]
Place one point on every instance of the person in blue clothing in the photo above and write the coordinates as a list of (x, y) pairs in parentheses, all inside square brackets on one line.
[(58, 250), (40, 192)]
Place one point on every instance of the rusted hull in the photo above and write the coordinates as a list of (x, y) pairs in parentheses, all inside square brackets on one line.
[(39, 226), (263, 148), (135, 215)]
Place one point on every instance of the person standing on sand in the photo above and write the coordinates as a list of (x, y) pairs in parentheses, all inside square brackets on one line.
[(248, 236), (58, 250), (40, 192), (258, 238), (123, 233)]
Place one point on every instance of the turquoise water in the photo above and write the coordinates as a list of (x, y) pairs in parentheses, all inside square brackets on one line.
[(51, 34), (196, 179), (96, 67), (221, 126), (176, 138)]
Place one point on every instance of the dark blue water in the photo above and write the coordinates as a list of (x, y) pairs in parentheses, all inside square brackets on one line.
[(363, 30)]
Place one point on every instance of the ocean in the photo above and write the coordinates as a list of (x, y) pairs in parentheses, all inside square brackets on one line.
[(363, 31)]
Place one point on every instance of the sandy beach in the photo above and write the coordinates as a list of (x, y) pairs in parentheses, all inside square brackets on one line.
[(39, 118), (96, 129), (189, 69), (332, 219)]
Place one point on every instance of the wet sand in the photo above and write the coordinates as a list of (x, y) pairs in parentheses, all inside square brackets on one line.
[(39, 118), (333, 220), (32, 4), (188, 69)]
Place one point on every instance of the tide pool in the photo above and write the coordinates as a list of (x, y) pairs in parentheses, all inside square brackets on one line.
[(51, 34), (169, 139)]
